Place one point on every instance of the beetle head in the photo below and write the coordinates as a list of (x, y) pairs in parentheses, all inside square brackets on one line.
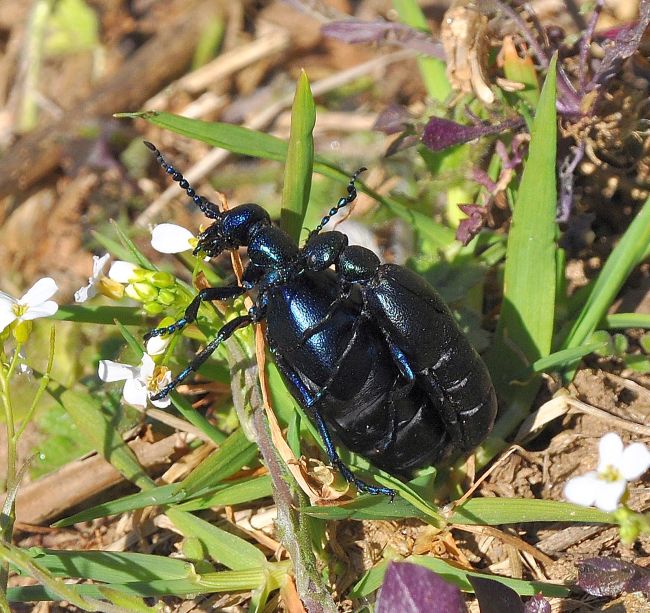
[(323, 250), (232, 229)]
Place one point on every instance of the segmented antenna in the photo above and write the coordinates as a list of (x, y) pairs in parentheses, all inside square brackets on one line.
[(352, 194), (209, 209)]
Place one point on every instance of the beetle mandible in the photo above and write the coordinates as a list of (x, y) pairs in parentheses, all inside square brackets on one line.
[(369, 350)]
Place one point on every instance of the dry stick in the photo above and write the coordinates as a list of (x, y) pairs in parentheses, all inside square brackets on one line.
[(215, 157), (154, 65), (76, 482)]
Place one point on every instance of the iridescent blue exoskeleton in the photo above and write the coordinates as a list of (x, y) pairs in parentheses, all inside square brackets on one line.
[(369, 350)]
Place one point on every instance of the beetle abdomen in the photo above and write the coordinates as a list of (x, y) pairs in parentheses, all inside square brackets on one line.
[(414, 318)]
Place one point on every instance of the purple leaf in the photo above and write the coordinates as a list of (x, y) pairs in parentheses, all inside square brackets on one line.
[(469, 227), (537, 604), (495, 597), (392, 119), (410, 588), (357, 31), (627, 41), (441, 133), (609, 577)]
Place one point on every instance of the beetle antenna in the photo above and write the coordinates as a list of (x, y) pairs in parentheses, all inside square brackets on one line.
[(209, 209), (352, 194)]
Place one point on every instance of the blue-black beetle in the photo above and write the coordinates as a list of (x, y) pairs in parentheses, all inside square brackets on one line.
[(369, 350)]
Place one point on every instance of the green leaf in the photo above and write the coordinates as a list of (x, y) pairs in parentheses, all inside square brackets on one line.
[(235, 452), (99, 427), (367, 507), (564, 357), (625, 256), (257, 144), (110, 566), (529, 284), (105, 315), (498, 511), (372, 580), (432, 70), (161, 495), (185, 408), (300, 160), (231, 493), (525, 328), (223, 547), (627, 320), (224, 581)]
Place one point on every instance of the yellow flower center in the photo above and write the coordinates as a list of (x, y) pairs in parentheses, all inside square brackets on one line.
[(610, 474), (157, 380), (19, 309)]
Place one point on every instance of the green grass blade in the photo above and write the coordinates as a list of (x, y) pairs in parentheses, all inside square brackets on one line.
[(498, 511), (185, 408), (367, 507), (627, 320), (104, 315), (231, 493), (235, 452), (110, 566), (161, 495), (625, 256), (224, 581), (529, 285), (525, 328), (257, 144), (373, 579), (563, 358), (432, 70), (223, 547), (300, 160)]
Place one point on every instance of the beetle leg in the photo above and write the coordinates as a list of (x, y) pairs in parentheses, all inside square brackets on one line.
[(309, 401), (192, 310), (225, 333)]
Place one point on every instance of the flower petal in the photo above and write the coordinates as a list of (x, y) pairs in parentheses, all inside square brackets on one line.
[(121, 271), (609, 494), (135, 393), (146, 367), (634, 461), (99, 263), (170, 238), (157, 344), (610, 450), (110, 371), (85, 293), (6, 317), (163, 403), (7, 301), (41, 291), (44, 309), (582, 490)]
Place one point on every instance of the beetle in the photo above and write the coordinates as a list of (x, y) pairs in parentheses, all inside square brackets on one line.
[(370, 351)]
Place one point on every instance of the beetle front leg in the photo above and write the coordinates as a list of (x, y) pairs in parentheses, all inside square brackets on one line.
[(309, 402), (192, 310), (225, 333)]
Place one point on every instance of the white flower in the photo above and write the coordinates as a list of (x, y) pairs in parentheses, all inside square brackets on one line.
[(617, 465), (90, 290), (156, 345), (141, 381), (35, 303), (122, 272), (170, 238)]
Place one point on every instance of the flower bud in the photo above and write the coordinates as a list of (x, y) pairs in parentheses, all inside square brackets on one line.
[(22, 330)]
